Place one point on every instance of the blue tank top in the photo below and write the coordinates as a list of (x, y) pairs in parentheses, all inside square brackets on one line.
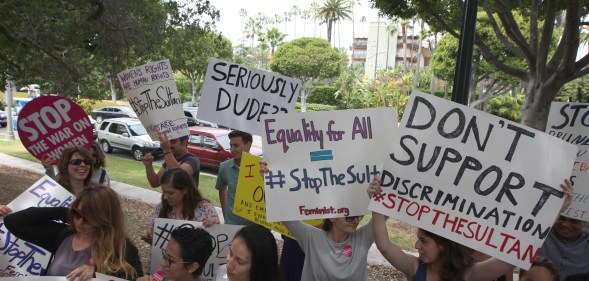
[(421, 273)]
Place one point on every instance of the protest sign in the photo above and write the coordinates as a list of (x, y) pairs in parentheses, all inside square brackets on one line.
[(48, 125), (236, 96), (474, 178), (250, 202), (152, 93), (569, 122), (222, 235), (17, 257), (321, 162)]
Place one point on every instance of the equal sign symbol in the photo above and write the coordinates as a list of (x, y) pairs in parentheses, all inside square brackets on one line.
[(321, 155)]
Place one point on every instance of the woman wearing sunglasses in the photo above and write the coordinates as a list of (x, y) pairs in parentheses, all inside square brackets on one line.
[(74, 172), (185, 255), (90, 237), (99, 174), (338, 251)]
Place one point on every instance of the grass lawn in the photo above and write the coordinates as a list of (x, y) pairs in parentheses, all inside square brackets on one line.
[(122, 170), (133, 172)]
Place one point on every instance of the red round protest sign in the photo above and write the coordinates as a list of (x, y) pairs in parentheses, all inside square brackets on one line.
[(48, 125)]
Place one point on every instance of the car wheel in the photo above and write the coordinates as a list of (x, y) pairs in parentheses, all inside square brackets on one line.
[(137, 153), (106, 146), (99, 119)]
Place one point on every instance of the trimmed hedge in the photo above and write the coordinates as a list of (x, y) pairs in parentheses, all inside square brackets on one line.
[(323, 95)]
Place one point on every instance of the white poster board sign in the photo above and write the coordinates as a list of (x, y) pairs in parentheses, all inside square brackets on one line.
[(222, 235), (153, 95), (236, 96), (474, 178), (17, 257), (570, 122), (321, 162)]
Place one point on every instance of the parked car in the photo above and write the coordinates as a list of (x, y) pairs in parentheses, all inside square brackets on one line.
[(197, 122), (94, 128), (108, 112), (3, 119), (127, 134), (211, 145)]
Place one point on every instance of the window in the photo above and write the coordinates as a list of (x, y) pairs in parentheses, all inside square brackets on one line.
[(195, 140), (209, 142)]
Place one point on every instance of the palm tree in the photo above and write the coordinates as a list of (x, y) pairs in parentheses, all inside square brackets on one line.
[(286, 19), (274, 37), (277, 20), (306, 14), (315, 7), (242, 13), (334, 11), (253, 28), (295, 11)]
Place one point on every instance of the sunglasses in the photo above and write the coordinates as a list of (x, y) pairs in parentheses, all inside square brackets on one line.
[(351, 219), (77, 162), (76, 213)]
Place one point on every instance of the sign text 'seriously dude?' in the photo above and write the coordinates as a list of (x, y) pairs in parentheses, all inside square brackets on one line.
[(236, 96)]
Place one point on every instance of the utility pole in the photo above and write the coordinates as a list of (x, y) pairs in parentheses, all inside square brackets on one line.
[(465, 50), (8, 97)]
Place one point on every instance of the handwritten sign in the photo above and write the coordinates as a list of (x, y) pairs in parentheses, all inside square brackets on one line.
[(570, 122), (152, 93), (250, 202), (236, 96), (222, 235), (321, 162), (479, 180), (48, 125), (17, 257)]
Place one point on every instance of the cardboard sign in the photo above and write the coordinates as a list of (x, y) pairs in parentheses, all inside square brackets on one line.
[(152, 93), (17, 257), (570, 122), (48, 125), (222, 235), (250, 202), (474, 178), (321, 162), (236, 96)]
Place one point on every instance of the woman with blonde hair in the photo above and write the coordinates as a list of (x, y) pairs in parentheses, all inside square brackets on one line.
[(93, 240)]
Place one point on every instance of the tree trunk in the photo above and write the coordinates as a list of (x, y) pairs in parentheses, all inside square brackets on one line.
[(329, 25), (537, 103), (193, 87), (113, 89), (404, 32)]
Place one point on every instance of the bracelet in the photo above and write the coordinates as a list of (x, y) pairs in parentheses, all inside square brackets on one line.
[(91, 262), (167, 152)]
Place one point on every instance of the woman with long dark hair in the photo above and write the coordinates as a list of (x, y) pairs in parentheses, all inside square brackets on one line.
[(253, 256)]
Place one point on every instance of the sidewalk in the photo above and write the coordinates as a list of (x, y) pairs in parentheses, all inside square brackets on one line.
[(151, 197)]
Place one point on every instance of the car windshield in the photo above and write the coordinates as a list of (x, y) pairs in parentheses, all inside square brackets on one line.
[(224, 141), (137, 130)]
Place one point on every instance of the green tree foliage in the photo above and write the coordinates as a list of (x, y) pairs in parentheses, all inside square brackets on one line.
[(275, 38), (576, 90), (507, 106), (63, 42), (548, 65), (189, 49), (309, 59), (324, 95)]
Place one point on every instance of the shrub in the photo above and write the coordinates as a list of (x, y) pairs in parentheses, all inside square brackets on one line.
[(324, 95)]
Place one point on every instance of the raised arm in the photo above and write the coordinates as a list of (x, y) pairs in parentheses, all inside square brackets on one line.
[(405, 263), (490, 269)]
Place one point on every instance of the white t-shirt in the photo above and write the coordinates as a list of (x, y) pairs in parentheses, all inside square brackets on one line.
[(330, 261)]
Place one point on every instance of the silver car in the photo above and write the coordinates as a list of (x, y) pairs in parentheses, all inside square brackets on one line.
[(127, 134)]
